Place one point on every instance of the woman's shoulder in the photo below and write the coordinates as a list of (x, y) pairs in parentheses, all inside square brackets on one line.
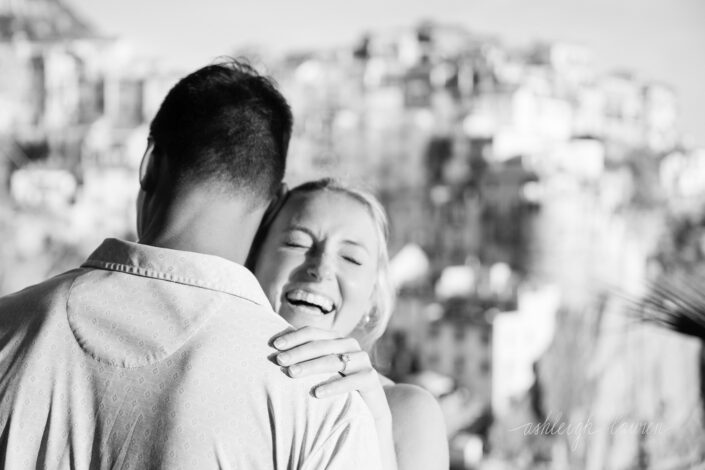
[(407, 397), (419, 428)]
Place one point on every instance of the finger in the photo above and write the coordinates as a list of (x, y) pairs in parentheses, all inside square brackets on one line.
[(360, 381), (318, 348), (367, 384), (331, 364), (293, 338)]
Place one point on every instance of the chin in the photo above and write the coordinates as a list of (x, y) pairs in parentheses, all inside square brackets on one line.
[(298, 320)]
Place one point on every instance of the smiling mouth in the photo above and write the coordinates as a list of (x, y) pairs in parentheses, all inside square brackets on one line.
[(303, 298)]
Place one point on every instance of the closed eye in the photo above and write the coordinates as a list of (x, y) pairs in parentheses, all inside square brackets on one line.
[(296, 244), (297, 239), (353, 260)]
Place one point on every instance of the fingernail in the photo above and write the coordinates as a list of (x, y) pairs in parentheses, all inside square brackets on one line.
[(320, 392), (283, 358), (279, 343), (293, 370)]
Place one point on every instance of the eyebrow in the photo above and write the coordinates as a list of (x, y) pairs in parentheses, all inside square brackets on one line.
[(301, 228), (357, 244)]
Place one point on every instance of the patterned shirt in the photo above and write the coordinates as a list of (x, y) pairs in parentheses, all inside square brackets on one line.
[(147, 357)]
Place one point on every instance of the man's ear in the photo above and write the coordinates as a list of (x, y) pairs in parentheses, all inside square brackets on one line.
[(275, 205), (148, 170)]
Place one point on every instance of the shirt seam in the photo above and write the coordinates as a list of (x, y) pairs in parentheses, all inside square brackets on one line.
[(119, 365), (153, 274)]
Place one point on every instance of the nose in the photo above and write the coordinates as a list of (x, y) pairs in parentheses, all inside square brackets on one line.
[(319, 268)]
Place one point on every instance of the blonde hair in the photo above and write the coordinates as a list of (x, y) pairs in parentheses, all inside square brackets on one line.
[(383, 295)]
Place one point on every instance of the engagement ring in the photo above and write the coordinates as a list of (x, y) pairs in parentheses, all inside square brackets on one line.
[(345, 359)]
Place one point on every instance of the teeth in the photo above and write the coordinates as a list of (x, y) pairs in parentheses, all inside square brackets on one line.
[(300, 295)]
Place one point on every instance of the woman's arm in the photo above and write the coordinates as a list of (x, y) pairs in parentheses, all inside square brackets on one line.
[(314, 351), (419, 430)]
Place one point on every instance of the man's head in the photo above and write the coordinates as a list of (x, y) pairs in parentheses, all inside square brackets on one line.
[(223, 130)]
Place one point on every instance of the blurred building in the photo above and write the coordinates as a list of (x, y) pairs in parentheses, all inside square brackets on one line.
[(682, 176), (73, 128), (483, 156), (660, 117)]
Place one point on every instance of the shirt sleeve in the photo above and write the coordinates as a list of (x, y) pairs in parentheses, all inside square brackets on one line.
[(352, 445)]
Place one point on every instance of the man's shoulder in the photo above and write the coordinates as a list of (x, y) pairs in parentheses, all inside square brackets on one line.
[(345, 436), (24, 313), (39, 295), (246, 331)]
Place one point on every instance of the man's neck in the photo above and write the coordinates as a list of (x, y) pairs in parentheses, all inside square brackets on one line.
[(202, 223)]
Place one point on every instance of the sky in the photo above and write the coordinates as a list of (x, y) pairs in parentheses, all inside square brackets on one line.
[(659, 40)]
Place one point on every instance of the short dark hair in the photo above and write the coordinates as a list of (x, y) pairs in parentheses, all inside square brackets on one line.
[(226, 124)]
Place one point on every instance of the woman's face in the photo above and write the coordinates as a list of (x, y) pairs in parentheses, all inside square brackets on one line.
[(318, 264)]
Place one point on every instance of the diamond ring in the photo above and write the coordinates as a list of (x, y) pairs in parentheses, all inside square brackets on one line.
[(345, 359)]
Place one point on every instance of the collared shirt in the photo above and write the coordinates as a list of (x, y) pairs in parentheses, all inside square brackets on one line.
[(147, 357)]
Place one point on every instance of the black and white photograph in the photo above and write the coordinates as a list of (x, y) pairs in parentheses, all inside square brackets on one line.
[(371, 235)]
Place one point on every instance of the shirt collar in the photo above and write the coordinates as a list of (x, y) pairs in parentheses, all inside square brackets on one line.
[(183, 267)]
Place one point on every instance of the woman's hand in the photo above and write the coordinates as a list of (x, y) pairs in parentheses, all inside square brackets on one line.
[(312, 350)]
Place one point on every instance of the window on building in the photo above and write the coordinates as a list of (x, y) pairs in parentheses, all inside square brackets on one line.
[(433, 361), (459, 365), (485, 366), (485, 336), (434, 330)]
